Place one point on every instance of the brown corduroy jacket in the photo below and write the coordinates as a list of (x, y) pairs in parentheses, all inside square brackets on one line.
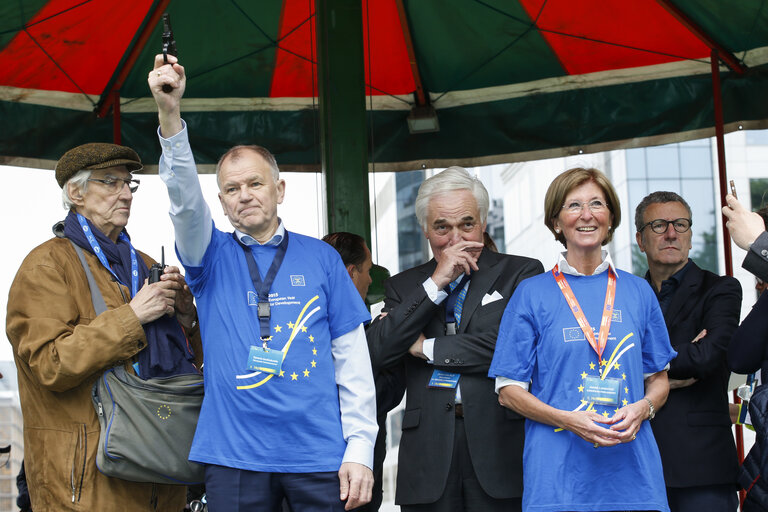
[(61, 347)]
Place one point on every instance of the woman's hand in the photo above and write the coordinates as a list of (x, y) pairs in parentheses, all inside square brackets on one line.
[(628, 420), (586, 425)]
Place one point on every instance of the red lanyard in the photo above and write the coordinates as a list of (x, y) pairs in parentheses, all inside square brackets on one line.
[(605, 321)]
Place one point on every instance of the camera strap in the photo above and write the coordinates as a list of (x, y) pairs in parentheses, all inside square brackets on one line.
[(262, 287), (103, 259)]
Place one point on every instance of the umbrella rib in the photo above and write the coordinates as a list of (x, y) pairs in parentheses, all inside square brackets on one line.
[(23, 27), (251, 20), (532, 25), (619, 45), (93, 103), (529, 27)]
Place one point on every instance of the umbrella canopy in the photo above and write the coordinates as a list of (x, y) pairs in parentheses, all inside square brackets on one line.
[(508, 80)]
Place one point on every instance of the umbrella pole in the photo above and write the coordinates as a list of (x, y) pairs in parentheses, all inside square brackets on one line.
[(720, 137), (721, 173)]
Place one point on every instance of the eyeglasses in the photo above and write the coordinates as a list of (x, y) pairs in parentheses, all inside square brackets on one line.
[(660, 226), (115, 185), (594, 206)]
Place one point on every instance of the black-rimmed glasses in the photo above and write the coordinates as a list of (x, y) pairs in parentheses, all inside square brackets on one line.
[(660, 226), (115, 185)]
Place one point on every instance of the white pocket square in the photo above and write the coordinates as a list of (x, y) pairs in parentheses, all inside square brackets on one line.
[(487, 299)]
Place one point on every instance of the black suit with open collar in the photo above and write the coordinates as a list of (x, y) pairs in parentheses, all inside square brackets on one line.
[(495, 434), (693, 429)]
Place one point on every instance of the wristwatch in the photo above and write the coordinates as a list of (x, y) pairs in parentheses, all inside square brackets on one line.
[(651, 408)]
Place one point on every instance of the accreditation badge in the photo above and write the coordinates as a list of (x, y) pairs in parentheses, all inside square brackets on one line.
[(602, 391), (265, 360), (441, 379)]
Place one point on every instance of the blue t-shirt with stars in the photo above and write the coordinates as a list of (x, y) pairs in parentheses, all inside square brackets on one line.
[(541, 342), (253, 420)]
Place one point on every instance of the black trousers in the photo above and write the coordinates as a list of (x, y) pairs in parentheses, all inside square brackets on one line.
[(463, 492)]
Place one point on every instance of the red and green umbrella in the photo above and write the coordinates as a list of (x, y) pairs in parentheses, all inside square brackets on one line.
[(508, 80)]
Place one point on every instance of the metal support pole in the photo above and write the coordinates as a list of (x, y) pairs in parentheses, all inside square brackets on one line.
[(722, 179), (341, 100), (721, 173)]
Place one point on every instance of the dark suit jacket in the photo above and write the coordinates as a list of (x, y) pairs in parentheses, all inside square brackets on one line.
[(494, 434), (693, 429), (749, 347), (756, 260)]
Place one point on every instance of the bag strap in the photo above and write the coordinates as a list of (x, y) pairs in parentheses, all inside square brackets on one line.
[(96, 297)]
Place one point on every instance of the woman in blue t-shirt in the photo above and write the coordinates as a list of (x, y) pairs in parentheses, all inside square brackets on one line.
[(582, 352)]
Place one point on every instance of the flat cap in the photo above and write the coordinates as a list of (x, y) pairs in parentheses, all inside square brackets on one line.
[(95, 155)]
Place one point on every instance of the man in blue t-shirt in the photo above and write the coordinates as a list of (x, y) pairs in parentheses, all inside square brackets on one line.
[(289, 409)]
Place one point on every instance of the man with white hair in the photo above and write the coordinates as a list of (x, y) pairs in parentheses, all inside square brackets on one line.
[(460, 450)]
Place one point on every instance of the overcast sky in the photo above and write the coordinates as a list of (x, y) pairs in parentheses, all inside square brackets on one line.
[(31, 203)]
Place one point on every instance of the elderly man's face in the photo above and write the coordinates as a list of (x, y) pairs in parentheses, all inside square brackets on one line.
[(451, 218), (108, 207), (669, 249), (250, 195)]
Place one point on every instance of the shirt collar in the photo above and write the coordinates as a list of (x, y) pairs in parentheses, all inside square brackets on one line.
[(275, 240), (677, 277), (606, 263)]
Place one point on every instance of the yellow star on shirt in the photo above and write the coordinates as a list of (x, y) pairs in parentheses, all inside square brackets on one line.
[(314, 364), (314, 351), (294, 376), (605, 414), (306, 372), (616, 366), (626, 389), (290, 325), (278, 328), (581, 389), (624, 402), (583, 375), (592, 366), (282, 373), (624, 376), (311, 338), (303, 328), (603, 362)]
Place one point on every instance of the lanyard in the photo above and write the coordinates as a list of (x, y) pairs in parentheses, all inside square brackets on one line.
[(103, 259), (262, 287), (605, 322)]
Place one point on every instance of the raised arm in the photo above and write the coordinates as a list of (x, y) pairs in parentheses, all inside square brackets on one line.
[(189, 212)]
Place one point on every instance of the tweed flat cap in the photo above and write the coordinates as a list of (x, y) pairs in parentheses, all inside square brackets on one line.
[(95, 155)]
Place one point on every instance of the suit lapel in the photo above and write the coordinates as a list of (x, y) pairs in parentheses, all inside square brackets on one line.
[(691, 282), (478, 286)]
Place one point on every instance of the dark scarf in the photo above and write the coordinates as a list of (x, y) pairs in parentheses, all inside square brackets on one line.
[(167, 352)]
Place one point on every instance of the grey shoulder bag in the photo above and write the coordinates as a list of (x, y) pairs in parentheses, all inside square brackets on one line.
[(146, 426)]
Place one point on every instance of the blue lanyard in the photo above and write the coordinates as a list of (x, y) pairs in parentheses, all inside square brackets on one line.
[(103, 259), (262, 287)]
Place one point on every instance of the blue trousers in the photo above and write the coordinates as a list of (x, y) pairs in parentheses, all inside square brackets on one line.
[(239, 490)]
